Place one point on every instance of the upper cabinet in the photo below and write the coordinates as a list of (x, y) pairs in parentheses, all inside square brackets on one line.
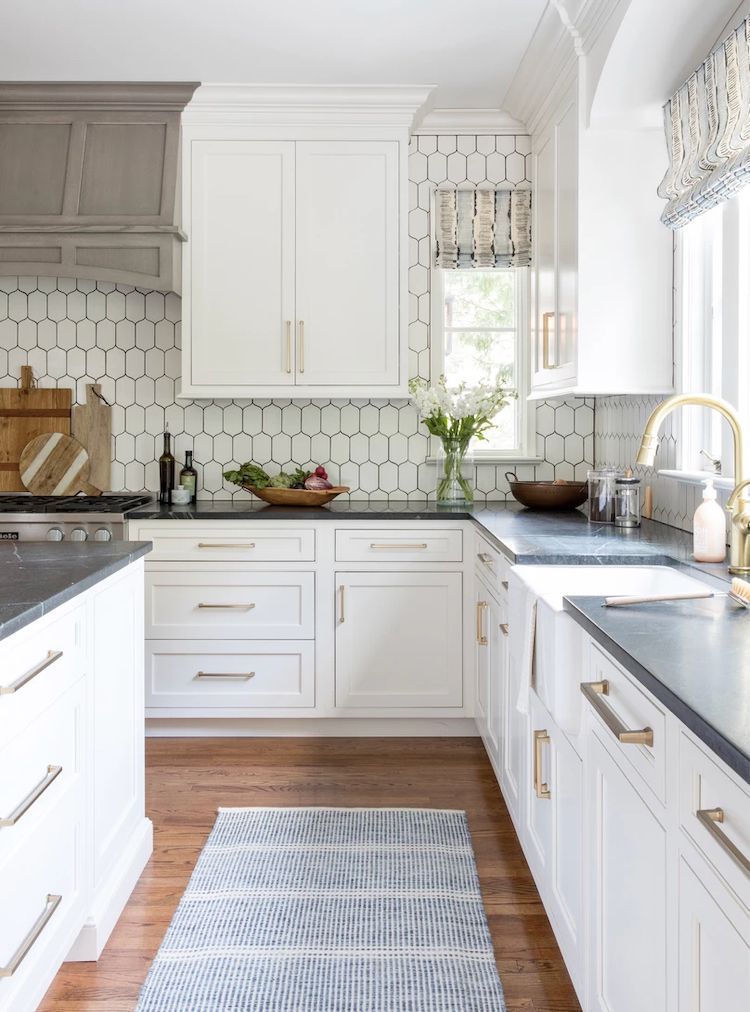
[(294, 272)]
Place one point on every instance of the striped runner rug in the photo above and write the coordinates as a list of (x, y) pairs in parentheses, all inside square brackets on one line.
[(329, 910)]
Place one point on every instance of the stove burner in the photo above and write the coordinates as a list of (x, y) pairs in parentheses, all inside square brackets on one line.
[(71, 503)]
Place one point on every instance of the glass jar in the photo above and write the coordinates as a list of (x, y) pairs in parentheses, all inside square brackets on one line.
[(627, 501), (602, 495)]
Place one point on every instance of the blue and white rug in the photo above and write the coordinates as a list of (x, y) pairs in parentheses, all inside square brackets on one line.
[(329, 910)]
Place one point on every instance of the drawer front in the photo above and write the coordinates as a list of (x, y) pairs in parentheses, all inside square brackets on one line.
[(38, 665), (399, 545), (627, 708), (715, 814), (37, 766), (203, 605), (205, 675), (491, 566), (227, 543)]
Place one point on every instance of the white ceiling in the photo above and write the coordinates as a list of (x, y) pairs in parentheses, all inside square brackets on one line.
[(470, 49)]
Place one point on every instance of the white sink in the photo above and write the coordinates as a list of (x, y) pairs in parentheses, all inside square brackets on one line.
[(559, 664)]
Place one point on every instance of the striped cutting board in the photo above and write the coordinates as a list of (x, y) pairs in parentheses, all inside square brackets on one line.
[(55, 464)]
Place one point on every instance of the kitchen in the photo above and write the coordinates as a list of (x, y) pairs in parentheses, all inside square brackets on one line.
[(302, 707)]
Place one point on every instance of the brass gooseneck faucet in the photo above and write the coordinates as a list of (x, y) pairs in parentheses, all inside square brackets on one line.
[(738, 505)]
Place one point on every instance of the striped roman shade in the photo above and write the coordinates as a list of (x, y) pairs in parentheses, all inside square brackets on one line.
[(707, 125), (482, 228)]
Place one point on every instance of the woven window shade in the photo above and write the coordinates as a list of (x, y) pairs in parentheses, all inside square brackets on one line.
[(707, 124), (484, 229)]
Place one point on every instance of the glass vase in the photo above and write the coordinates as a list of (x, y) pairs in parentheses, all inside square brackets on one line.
[(452, 485)]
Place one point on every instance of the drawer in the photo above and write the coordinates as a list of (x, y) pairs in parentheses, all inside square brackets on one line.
[(41, 901), (37, 766), (722, 829), (227, 542), (626, 710), (247, 605), (37, 665), (205, 675), (398, 545), (491, 565)]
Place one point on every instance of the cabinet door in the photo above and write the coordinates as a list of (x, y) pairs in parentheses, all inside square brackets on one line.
[(714, 946), (513, 741), (398, 640), (489, 671), (347, 263), (498, 637), (238, 304), (482, 663), (566, 188), (544, 259), (627, 885)]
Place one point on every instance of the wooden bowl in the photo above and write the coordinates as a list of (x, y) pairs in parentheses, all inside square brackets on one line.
[(548, 495), (297, 496)]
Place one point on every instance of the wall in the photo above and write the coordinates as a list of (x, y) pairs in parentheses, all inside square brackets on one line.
[(128, 340)]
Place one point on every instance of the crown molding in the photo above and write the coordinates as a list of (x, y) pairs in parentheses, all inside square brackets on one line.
[(133, 95), (313, 105), (469, 121)]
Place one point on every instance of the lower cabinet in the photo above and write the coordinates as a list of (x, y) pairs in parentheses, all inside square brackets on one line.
[(490, 667), (398, 639)]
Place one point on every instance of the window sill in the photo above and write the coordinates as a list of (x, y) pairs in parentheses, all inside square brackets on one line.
[(698, 477), (496, 459)]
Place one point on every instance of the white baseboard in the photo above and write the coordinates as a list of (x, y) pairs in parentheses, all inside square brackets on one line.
[(112, 896), (323, 727)]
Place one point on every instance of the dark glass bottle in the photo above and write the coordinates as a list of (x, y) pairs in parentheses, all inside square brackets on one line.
[(166, 470), (189, 476)]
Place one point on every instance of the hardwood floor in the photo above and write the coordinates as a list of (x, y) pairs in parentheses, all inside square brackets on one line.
[(187, 779)]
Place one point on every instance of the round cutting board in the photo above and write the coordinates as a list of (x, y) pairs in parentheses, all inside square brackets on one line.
[(54, 464)]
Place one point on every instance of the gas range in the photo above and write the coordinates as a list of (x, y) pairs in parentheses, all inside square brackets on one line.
[(66, 518)]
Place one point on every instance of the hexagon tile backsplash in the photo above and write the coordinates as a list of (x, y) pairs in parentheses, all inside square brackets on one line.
[(74, 333)]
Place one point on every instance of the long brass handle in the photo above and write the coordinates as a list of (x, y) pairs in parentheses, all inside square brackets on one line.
[(240, 676), (546, 363), (486, 559), (403, 547), (301, 345), (229, 607), (341, 603), (53, 772), (288, 346), (711, 818), (504, 628), (52, 656), (593, 691), (481, 638), (236, 544), (53, 902), (541, 789)]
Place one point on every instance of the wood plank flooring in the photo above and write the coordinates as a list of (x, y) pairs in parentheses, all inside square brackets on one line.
[(188, 778)]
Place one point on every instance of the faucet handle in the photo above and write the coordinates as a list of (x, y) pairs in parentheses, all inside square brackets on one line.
[(713, 461), (737, 495)]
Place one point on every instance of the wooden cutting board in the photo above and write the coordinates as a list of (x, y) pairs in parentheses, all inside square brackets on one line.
[(26, 412), (54, 464), (92, 427)]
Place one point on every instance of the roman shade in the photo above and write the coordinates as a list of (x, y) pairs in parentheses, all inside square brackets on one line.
[(707, 123), (482, 228)]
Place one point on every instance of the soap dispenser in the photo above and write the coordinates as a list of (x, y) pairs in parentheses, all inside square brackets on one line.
[(709, 528)]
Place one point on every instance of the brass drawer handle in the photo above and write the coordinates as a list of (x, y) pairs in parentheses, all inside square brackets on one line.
[(301, 346), (481, 638), (546, 363), (486, 559), (593, 691), (228, 607), (53, 902), (52, 656), (237, 544), (53, 772), (541, 789), (504, 628), (341, 603), (288, 346), (396, 548), (711, 818), (240, 676)]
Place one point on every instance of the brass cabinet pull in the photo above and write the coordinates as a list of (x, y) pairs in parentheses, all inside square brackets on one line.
[(53, 902), (504, 584), (237, 544), (541, 789), (229, 607), (486, 559), (52, 656), (593, 691), (481, 638), (288, 346), (53, 772), (546, 363), (240, 676), (711, 818), (395, 548), (301, 345), (341, 603), (504, 628)]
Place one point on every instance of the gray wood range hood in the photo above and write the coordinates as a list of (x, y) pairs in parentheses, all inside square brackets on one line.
[(88, 180)]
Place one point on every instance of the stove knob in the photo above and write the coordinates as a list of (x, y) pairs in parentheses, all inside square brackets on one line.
[(78, 534), (55, 534), (102, 534)]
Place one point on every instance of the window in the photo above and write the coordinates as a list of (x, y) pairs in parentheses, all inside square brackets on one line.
[(478, 319), (713, 312)]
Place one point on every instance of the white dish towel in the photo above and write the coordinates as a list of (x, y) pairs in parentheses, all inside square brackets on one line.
[(525, 653)]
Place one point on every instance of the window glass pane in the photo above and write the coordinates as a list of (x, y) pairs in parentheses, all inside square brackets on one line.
[(479, 298), (477, 356)]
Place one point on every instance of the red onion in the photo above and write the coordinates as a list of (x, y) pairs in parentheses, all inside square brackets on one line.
[(314, 482)]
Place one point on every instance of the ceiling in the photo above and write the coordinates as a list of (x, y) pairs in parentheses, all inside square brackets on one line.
[(470, 49)]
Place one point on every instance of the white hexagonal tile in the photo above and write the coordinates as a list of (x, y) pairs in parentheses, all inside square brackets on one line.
[(164, 334), (3, 306), (96, 306), (476, 168), (144, 334), (496, 168), (27, 334), (154, 362), (37, 306), (213, 419), (125, 391), (311, 419), (232, 418), (340, 451), (164, 392), (427, 144), (379, 448), (124, 447), (172, 307), (419, 223), (269, 420), (18, 357), (301, 449), (281, 449), (554, 448), (18, 306), (419, 280), (330, 419), (515, 167), (457, 167), (291, 419), (417, 166), (135, 476), (466, 144), (193, 418), (320, 449), (96, 363), (105, 334), (135, 306), (154, 419), (86, 334), (172, 362), (76, 306), (359, 447), (437, 167), (564, 419), (145, 391), (8, 334), (135, 362), (242, 448), (446, 143), (8, 283), (368, 477), (155, 306), (38, 361), (115, 308), (223, 449)]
